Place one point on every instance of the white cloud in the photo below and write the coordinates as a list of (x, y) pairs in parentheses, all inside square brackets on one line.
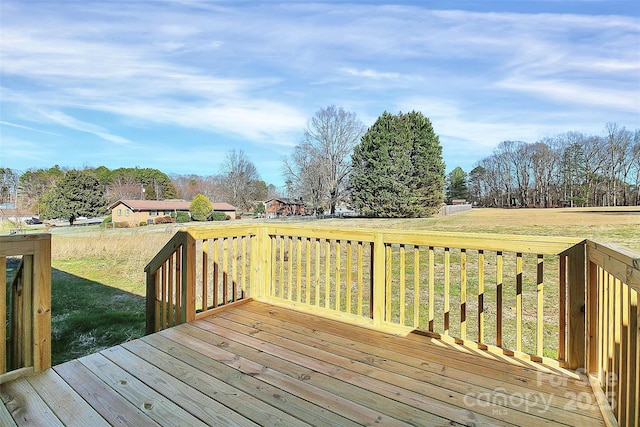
[(371, 74), (15, 125), (570, 93), (78, 125)]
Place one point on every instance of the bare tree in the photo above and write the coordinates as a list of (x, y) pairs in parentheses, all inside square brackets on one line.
[(240, 177), (321, 163), (304, 177)]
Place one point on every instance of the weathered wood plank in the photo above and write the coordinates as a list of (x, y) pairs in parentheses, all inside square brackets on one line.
[(203, 356), (25, 405), (391, 361), (446, 404), (285, 397), (194, 371), (428, 349), (64, 401), (157, 407), (5, 417), (114, 408), (299, 386), (379, 404), (195, 402)]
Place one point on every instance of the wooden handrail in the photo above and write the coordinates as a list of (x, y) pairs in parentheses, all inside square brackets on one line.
[(27, 348)]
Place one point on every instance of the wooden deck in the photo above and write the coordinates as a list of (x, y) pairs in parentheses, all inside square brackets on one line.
[(258, 364)]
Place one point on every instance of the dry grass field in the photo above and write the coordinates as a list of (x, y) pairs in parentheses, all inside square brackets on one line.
[(619, 225)]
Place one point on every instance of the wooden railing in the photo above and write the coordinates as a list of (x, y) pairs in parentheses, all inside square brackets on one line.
[(538, 298), (25, 305), (198, 270), (613, 328)]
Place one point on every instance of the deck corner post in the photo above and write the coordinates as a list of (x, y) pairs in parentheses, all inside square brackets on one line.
[(188, 297), (41, 311), (576, 305), (378, 279)]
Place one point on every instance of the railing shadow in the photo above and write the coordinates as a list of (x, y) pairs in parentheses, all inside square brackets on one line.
[(88, 316)]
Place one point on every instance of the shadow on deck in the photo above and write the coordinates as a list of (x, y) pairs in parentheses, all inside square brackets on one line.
[(252, 363)]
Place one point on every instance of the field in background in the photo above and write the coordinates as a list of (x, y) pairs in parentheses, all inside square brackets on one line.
[(619, 225), (99, 282)]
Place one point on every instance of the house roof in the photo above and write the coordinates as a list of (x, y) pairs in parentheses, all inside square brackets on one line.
[(167, 205), (286, 201), (223, 206)]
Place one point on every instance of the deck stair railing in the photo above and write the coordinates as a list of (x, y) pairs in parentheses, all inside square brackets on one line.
[(558, 300), (25, 305)]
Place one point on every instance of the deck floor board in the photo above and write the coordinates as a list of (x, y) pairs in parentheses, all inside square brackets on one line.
[(259, 364)]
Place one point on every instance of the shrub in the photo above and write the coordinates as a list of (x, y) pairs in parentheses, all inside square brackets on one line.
[(107, 222), (181, 217), (219, 216), (200, 208), (163, 220), (122, 225), (142, 223)]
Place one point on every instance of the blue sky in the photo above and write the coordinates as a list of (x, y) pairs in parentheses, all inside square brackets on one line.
[(175, 85)]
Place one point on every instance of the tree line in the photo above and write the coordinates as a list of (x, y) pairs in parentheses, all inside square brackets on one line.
[(394, 168), (59, 192), (570, 169)]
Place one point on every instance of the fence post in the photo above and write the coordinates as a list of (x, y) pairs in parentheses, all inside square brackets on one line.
[(576, 306), (378, 279)]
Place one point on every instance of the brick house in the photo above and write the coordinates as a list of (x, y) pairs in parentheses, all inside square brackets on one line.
[(277, 207), (147, 211)]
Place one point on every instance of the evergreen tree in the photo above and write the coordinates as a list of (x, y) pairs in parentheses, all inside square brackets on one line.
[(398, 169), (200, 208), (457, 185), (79, 193)]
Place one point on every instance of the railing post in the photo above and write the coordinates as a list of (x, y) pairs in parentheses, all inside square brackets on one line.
[(188, 297), (576, 267), (261, 263), (592, 316), (378, 279), (42, 305), (265, 252), (150, 316)]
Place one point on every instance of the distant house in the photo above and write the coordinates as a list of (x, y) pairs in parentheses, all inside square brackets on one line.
[(284, 207), (9, 213), (135, 212)]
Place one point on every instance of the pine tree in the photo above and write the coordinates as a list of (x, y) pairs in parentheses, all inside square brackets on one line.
[(457, 185), (398, 169), (79, 193)]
